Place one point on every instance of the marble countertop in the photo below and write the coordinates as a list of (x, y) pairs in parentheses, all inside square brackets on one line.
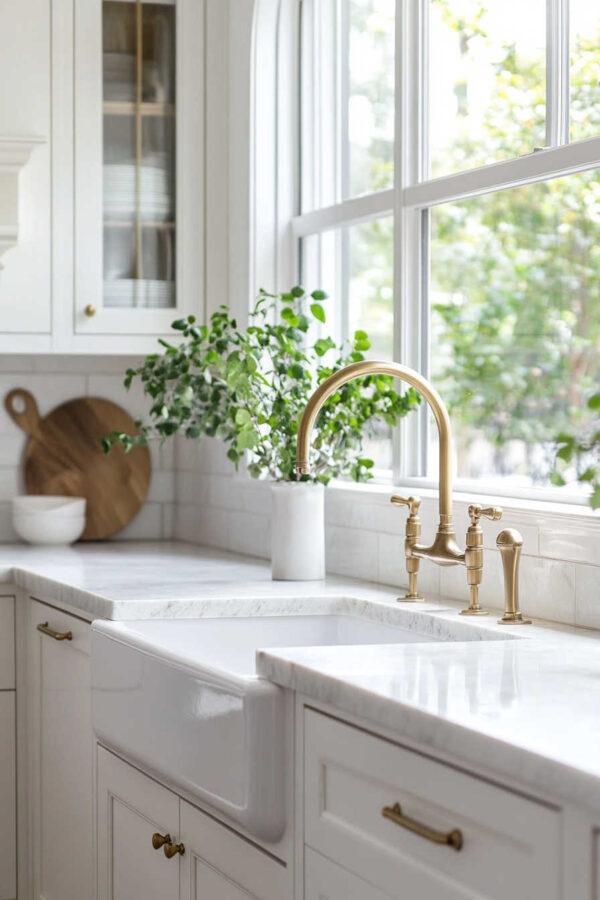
[(516, 702)]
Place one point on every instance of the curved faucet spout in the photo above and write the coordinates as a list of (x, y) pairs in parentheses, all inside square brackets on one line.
[(404, 373)]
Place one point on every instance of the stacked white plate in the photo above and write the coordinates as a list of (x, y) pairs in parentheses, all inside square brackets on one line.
[(119, 76), (129, 293), (156, 197)]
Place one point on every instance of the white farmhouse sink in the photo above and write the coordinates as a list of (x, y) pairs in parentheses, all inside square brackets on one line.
[(181, 697)]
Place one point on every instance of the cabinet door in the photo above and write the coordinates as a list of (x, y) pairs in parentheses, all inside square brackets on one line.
[(323, 880), (219, 865), (138, 165), (8, 817), (62, 752), (131, 809)]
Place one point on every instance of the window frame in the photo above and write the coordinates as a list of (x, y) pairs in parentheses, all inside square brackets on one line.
[(413, 194)]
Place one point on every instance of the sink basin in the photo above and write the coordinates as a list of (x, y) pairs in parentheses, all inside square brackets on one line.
[(181, 698)]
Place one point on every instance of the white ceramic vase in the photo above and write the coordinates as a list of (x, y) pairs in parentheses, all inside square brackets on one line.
[(297, 531)]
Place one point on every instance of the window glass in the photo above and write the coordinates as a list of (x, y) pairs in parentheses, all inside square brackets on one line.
[(585, 69), (515, 329), (355, 266), (487, 81), (369, 146)]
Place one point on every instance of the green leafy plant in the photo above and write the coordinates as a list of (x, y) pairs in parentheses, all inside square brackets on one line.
[(248, 387), (582, 453)]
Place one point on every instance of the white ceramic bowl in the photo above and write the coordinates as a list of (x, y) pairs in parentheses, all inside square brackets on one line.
[(49, 520)]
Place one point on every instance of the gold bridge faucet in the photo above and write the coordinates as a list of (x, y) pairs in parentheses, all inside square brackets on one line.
[(444, 550)]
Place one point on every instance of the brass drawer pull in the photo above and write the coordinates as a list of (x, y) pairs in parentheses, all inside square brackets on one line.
[(57, 635), (452, 838), (169, 848)]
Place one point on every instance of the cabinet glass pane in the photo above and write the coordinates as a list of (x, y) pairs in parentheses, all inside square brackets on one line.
[(515, 343), (139, 154), (487, 81), (585, 69)]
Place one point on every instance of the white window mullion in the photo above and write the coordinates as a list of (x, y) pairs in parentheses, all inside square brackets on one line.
[(557, 72), (410, 163)]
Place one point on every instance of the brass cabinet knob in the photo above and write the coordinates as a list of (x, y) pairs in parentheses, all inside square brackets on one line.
[(169, 848), (90, 310), (159, 840), (172, 850)]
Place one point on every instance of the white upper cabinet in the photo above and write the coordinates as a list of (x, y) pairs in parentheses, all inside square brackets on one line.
[(138, 165), (25, 113)]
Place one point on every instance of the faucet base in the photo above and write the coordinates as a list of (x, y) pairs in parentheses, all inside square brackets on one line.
[(514, 619), (410, 598), (474, 611)]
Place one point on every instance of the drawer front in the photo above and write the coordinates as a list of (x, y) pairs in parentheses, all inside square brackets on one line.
[(7, 643), (510, 845), (324, 880)]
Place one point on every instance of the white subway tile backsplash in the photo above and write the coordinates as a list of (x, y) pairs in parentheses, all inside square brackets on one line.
[(548, 589), (147, 525), (250, 534), (349, 551), (587, 596), (580, 544), (191, 488), (162, 487)]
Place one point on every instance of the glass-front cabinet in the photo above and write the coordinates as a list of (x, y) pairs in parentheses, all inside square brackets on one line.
[(138, 165)]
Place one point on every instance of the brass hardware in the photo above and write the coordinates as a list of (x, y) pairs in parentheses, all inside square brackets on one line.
[(444, 551), (159, 840), (90, 310), (452, 838), (413, 533), (169, 848), (510, 543), (57, 635), (172, 850), (474, 555)]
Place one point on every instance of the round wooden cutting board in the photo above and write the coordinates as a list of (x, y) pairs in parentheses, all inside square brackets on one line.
[(64, 456)]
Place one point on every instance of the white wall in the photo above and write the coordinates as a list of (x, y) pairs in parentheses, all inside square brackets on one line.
[(54, 379)]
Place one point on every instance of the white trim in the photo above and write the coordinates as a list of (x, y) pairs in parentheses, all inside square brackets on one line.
[(348, 212), (538, 166)]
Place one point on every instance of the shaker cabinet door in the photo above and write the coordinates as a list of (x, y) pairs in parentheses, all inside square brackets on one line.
[(132, 809), (8, 811), (138, 166), (62, 753), (222, 866)]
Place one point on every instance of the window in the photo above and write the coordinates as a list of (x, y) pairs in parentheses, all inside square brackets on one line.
[(450, 204)]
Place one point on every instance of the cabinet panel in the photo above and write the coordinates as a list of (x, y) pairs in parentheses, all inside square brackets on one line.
[(7, 643), (131, 808), (596, 865), (323, 880), (511, 846), (220, 865), (138, 165), (8, 812), (62, 753), (25, 304)]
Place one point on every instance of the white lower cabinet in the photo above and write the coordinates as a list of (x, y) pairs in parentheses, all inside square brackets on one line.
[(61, 747), (324, 880), (385, 813), (216, 863), (8, 810)]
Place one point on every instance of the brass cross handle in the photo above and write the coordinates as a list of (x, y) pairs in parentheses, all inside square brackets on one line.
[(413, 503), (477, 512)]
